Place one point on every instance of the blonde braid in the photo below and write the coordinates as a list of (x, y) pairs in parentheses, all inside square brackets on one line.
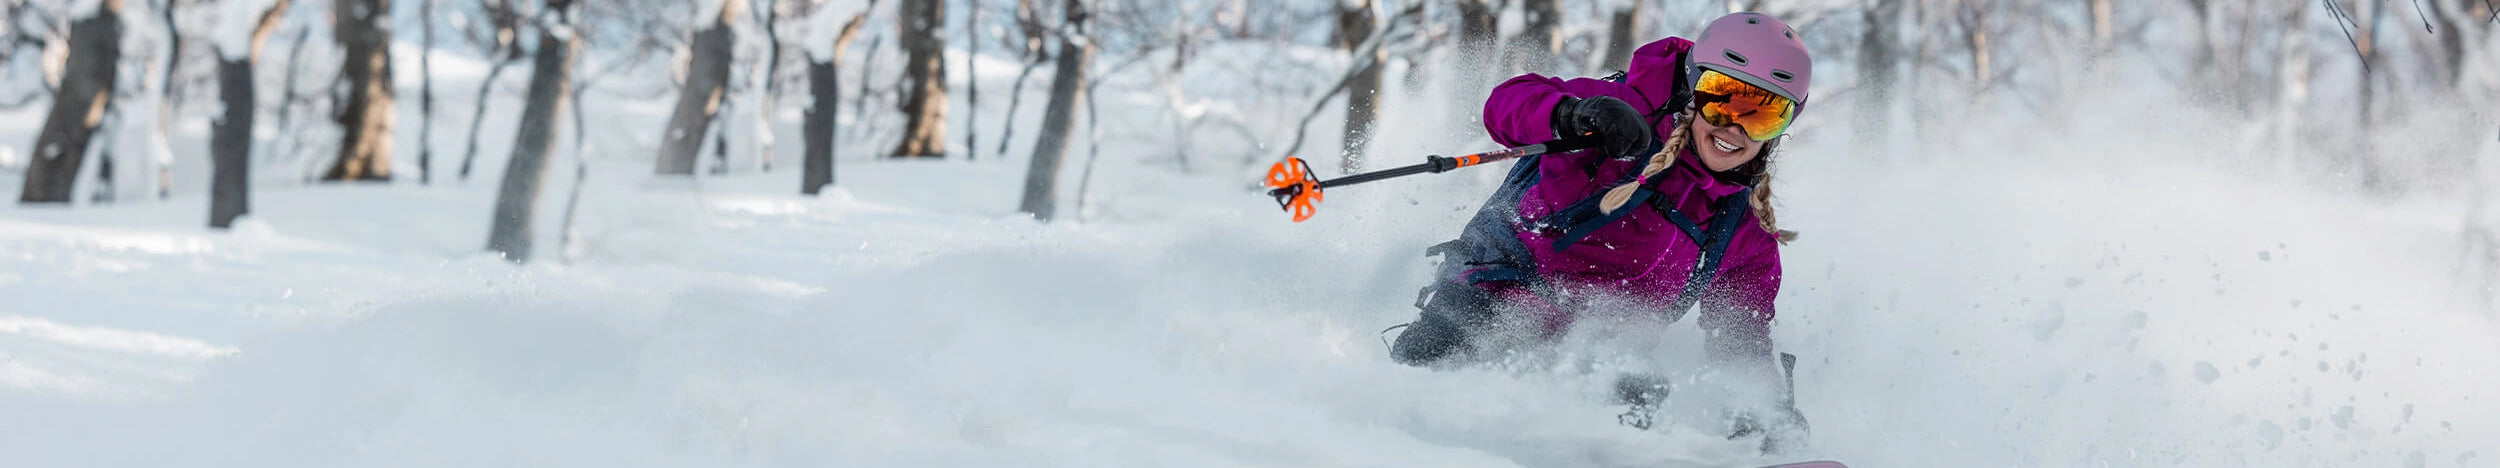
[(1622, 194), (1761, 201)]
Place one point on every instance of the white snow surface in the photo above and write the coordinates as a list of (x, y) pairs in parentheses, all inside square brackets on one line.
[(2113, 291), (2075, 316)]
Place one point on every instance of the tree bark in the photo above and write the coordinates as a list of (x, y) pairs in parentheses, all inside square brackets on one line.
[(1623, 35), (707, 83), (230, 137), (364, 35), (2103, 28), (502, 53), (923, 38), (972, 80), (1878, 61), (1975, 38), (425, 95), (284, 148), (1041, 181), (85, 94), (1532, 51), (525, 174), (1356, 22), (1478, 32), (165, 105), (2291, 93), (824, 80), (770, 89), (1028, 20)]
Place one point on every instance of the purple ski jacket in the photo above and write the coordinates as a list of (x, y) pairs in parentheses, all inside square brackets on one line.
[(1642, 256)]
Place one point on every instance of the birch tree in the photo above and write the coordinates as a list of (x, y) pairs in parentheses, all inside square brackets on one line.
[(824, 82), (525, 174), (1041, 180), (362, 28), (707, 83), (230, 136), (922, 35), (79, 104)]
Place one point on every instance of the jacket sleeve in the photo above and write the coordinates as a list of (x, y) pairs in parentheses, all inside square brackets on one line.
[(1521, 110), (1736, 309)]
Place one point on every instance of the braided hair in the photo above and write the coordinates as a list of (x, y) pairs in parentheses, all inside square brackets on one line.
[(1755, 174)]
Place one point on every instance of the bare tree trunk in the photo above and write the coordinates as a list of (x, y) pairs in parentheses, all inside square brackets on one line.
[(1975, 37), (283, 149), (425, 95), (867, 76), (2292, 84), (1878, 61), (525, 174), (1622, 35), (923, 37), (1028, 19), (2103, 31), (771, 89), (1041, 181), (230, 136), (824, 81), (1532, 51), (2452, 43), (972, 80), (707, 83), (363, 31), (502, 53), (1356, 22), (85, 94), (2364, 160), (1478, 31), (1015, 100), (477, 113), (165, 96)]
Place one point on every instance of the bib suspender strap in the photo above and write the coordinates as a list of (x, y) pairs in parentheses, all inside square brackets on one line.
[(1727, 216)]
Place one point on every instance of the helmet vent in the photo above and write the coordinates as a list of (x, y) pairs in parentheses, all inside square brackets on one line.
[(1738, 59), (1783, 75), (1753, 20)]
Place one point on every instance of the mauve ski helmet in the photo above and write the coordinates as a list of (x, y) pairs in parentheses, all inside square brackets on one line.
[(1755, 48)]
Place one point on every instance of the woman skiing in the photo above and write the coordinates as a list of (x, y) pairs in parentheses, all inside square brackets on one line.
[(1639, 223)]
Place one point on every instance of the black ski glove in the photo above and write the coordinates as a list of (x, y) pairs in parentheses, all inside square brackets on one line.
[(1622, 132)]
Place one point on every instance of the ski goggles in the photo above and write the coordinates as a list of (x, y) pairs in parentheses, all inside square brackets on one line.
[(1725, 100)]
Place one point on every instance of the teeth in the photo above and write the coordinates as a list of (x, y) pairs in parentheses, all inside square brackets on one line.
[(1724, 145)]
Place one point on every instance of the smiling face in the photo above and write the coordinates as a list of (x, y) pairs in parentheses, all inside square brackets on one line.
[(1722, 148)]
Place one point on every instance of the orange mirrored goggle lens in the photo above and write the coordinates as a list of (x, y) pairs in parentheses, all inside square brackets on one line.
[(1726, 101)]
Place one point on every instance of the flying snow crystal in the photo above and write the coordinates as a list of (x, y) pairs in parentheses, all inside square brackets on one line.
[(2271, 434), (2206, 373)]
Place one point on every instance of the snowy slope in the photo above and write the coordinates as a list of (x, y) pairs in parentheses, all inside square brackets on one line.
[(2070, 321), (2096, 294)]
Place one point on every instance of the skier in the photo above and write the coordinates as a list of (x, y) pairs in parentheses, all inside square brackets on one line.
[(1641, 223)]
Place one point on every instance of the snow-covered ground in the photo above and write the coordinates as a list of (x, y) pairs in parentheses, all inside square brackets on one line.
[(1974, 313), (2103, 293)]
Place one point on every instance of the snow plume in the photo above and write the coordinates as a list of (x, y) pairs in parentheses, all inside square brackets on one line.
[(235, 21)]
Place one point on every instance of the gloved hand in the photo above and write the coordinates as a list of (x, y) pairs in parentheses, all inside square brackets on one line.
[(1622, 131)]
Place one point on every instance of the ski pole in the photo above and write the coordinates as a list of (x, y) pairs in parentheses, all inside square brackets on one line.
[(1295, 190)]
